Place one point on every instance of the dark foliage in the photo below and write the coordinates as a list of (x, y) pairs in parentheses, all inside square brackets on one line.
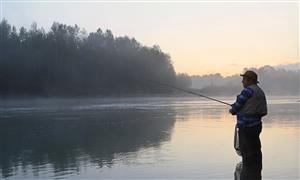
[(67, 61)]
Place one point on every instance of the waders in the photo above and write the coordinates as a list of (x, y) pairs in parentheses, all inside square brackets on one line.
[(236, 141)]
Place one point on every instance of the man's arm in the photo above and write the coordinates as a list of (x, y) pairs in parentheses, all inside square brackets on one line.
[(241, 100)]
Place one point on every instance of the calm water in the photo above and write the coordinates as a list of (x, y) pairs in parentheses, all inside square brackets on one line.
[(138, 138)]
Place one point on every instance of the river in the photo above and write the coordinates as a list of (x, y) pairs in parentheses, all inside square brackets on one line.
[(134, 138)]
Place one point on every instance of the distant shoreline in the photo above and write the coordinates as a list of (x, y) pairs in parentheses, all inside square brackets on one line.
[(156, 95)]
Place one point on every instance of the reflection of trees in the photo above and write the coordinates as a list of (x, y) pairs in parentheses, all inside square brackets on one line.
[(285, 114), (79, 138), (211, 112)]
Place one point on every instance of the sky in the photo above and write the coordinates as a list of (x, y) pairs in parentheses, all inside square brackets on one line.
[(201, 37)]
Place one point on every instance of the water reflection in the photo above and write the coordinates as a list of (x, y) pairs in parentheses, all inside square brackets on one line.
[(284, 114), (137, 138), (252, 172), (67, 141)]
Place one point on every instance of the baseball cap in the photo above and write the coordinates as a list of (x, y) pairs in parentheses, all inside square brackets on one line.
[(251, 75)]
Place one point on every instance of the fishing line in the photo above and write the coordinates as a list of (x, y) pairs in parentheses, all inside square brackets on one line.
[(188, 91)]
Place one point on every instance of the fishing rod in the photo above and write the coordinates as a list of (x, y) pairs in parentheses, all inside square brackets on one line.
[(188, 91)]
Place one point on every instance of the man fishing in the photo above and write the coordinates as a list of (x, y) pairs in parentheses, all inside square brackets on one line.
[(249, 107)]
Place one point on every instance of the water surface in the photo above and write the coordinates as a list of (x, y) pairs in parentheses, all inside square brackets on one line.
[(138, 138)]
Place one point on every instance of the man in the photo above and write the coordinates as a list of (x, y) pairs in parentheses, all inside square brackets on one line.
[(249, 107)]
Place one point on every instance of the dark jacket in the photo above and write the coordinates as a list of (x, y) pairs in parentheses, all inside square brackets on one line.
[(250, 106)]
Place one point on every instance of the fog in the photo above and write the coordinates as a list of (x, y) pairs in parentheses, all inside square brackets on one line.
[(273, 81), (69, 61)]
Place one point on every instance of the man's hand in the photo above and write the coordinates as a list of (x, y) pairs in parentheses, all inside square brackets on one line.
[(232, 112)]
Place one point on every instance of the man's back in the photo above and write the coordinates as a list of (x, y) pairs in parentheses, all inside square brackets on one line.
[(256, 105)]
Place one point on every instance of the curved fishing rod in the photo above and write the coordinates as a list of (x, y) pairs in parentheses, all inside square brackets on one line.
[(188, 91)]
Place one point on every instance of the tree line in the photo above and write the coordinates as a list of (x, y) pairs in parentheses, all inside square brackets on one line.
[(274, 81), (68, 61)]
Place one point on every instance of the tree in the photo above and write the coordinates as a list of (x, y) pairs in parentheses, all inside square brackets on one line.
[(63, 61)]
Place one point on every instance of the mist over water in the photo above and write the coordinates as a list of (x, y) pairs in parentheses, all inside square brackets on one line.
[(138, 138)]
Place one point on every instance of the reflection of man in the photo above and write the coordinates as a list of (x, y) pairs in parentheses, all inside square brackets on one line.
[(250, 106), (247, 173)]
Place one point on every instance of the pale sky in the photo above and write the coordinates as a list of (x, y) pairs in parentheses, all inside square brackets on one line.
[(200, 37)]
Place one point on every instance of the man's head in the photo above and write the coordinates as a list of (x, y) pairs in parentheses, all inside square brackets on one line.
[(249, 78)]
